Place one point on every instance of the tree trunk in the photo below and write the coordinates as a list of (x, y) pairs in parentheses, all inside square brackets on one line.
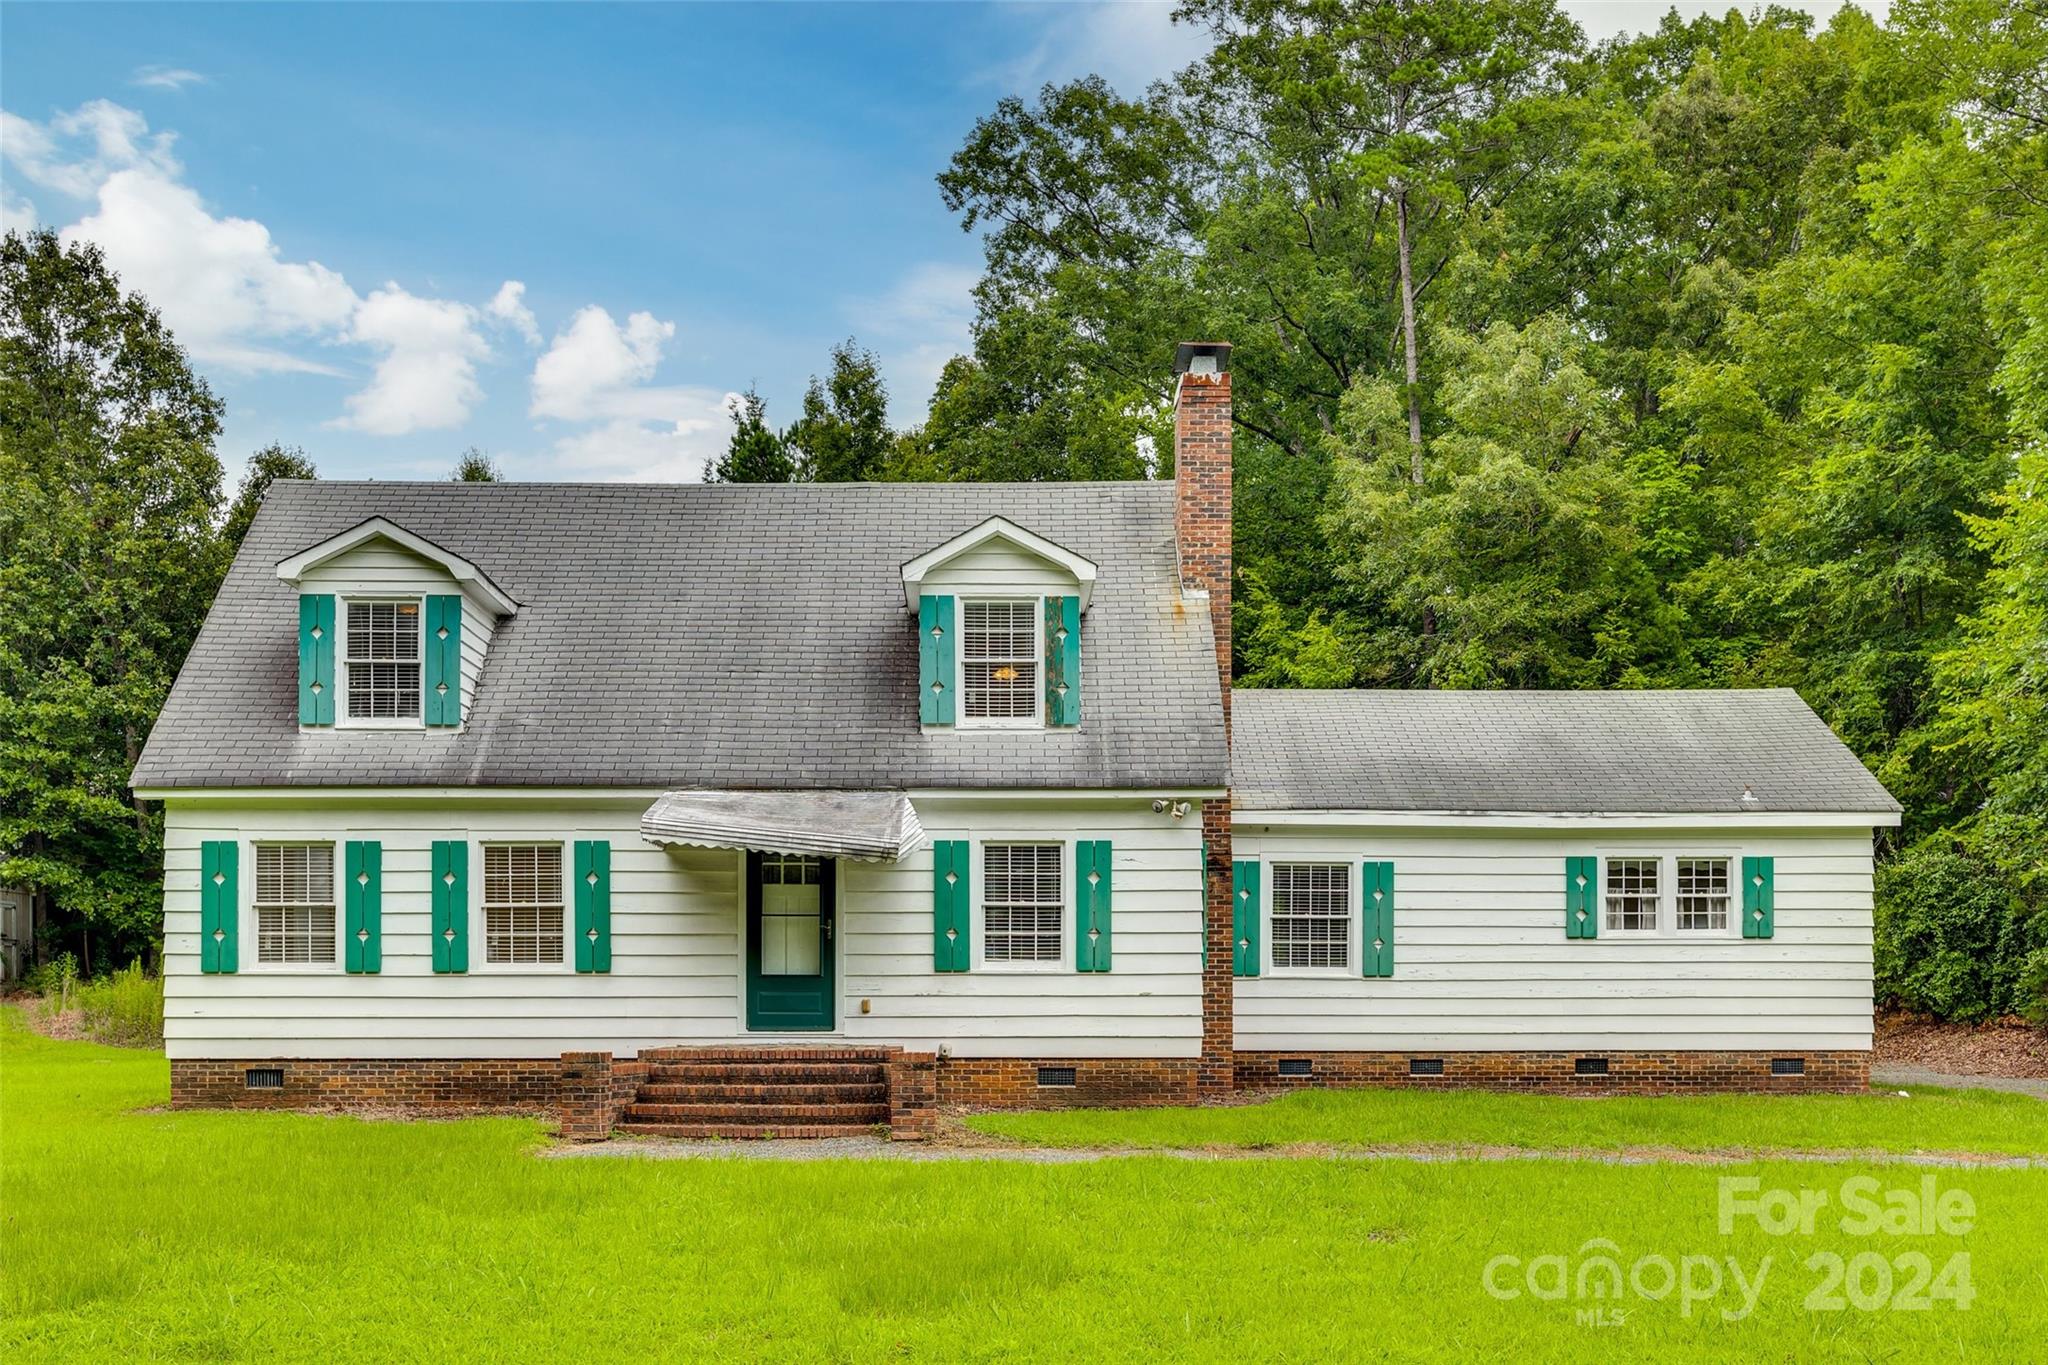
[(1408, 338)]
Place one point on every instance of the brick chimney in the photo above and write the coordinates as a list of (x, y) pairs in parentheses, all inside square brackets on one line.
[(1201, 464), (1201, 523)]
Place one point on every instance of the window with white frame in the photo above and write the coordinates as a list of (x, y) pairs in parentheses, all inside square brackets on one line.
[(1022, 901), (523, 903), (1311, 914), (383, 660), (1632, 893), (999, 661), (295, 903), (1704, 890)]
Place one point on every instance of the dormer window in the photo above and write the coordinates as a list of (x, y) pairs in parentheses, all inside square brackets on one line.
[(382, 659), (998, 629), (392, 629), (999, 654)]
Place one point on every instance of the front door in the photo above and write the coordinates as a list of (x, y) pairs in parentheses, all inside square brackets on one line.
[(789, 942)]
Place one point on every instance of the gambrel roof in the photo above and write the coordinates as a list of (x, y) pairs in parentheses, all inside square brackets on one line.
[(707, 636), (1637, 753)]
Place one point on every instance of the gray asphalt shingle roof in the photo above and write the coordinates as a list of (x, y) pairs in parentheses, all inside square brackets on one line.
[(1665, 752), (718, 636)]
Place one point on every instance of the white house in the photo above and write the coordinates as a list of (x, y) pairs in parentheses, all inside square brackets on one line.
[(729, 809)]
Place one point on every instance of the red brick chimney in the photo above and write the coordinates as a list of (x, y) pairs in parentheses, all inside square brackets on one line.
[(1201, 523), (1201, 465)]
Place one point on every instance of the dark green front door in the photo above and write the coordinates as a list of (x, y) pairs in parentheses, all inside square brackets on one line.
[(789, 942)]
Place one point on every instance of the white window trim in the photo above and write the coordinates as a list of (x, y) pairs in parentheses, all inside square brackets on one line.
[(1354, 914), (479, 923), (1667, 856), (246, 954), (342, 719), (1064, 960), (1036, 720)]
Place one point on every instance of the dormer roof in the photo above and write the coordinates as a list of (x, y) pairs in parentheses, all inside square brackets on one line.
[(1080, 568), (473, 579)]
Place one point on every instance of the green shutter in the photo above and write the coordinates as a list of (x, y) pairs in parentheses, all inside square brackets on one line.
[(451, 906), (443, 697), (1759, 897), (1062, 661), (220, 905), (952, 941), (1581, 897), (362, 870), (1378, 951), (1244, 901), (593, 905), (1091, 905), (935, 660), (316, 658)]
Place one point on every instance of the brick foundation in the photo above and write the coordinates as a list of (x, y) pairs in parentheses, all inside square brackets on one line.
[(913, 1096), (594, 1089), (522, 1086), (1114, 1082), (1628, 1073)]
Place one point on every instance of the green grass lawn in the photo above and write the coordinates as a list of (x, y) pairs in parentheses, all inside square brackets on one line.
[(128, 1235), (1981, 1121)]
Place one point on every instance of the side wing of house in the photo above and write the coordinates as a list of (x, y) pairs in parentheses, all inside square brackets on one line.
[(1486, 950)]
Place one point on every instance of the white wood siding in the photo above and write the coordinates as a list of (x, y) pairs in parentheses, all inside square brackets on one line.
[(997, 568), (676, 952), (1481, 961), (381, 567)]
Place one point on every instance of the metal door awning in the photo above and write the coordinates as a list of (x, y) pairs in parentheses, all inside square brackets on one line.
[(867, 826)]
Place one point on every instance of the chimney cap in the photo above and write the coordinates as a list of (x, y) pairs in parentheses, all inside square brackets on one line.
[(1185, 355)]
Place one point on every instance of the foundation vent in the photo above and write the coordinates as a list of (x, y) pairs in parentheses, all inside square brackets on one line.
[(1297, 1066), (1425, 1066), (1055, 1075), (1788, 1066), (1589, 1066), (263, 1078)]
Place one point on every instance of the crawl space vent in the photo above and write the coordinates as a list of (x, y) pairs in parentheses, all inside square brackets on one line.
[(1055, 1075), (1297, 1066), (263, 1078), (1589, 1066), (1425, 1066), (1788, 1066)]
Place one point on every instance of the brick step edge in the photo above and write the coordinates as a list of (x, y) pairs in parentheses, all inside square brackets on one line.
[(757, 1113), (790, 1073), (859, 1092), (748, 1132), (873, 1056)]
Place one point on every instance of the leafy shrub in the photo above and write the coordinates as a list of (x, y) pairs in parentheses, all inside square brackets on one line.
[(1954, 934), (2033, 988), (53, 977), (126, 1008)]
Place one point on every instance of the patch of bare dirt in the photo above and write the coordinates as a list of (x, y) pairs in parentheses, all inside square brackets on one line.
[(64, 1025), (2003, 1047)]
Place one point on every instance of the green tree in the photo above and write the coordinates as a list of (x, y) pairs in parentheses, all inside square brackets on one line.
[(265, 467), (843, 435), (755, 453), (109, 489), (475, 466)]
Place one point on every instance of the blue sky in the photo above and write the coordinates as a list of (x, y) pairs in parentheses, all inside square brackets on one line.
[(563, 233)]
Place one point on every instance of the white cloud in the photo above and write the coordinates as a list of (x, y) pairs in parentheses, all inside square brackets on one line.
[(1130, 43), (221, 283), (427, 378), (599, 371), (74, 153), (595, 368), (165, 78), (916, 326), (227, 290), (16, 213), (508, 306)]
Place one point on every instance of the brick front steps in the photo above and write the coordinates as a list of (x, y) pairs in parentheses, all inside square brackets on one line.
[(781, 1092)]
